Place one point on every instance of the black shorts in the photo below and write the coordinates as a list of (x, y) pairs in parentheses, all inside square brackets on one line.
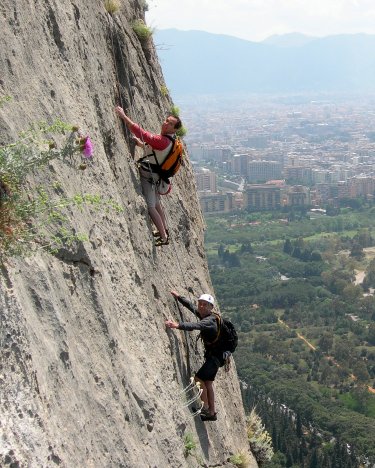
[(209, 369)]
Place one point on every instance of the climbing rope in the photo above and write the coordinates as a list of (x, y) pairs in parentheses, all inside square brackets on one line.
[(191, 387)]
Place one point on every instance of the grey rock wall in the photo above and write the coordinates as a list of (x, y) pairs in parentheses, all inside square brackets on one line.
[(89, 376)]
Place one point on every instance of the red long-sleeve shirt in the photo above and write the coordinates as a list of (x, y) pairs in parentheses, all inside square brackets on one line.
[(157, 142)]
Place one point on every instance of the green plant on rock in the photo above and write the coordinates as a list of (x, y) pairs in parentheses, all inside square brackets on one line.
[(142, 31), (241, 460), (112, 6), (31, 217), (175, 111), (4, 99), (181, 132), (33, 150), (51, 213), (164, 91), (190, 444), (259, 439)]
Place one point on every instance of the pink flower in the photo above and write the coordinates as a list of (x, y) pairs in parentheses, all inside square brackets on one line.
[(88, 148)]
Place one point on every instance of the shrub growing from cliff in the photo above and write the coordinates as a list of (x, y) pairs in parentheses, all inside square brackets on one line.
[(142, 31), (241, 460), (164, 91), (112, 6), (259, 439), (182, 131), (29, 216)]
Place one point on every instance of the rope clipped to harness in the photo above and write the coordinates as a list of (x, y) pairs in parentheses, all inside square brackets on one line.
[(163, 187)]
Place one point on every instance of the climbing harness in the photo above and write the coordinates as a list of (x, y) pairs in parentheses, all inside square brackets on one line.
[(172, 160), (163, 187)]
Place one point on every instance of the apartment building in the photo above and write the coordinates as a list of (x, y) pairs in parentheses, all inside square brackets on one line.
[(297, 195), (206, 180), (239, 164), (213, 153), (263, 170), (361, 186), (262, 197), (298, 173), (217, 202), (319, 176)]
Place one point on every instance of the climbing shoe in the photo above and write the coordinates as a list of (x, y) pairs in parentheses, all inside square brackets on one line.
[(159, 242), (157, 233), (208, 417), (203, 411)]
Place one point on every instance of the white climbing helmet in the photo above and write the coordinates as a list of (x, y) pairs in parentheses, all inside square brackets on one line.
[(208, 298)]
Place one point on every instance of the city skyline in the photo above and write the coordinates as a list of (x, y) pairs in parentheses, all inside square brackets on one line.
[(257, 20), (312, 154)]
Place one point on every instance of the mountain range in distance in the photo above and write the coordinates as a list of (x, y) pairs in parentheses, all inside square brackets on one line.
[(198, 62), (289, 40)]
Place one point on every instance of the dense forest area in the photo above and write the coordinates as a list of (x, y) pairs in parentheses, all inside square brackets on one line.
[(300, 291)]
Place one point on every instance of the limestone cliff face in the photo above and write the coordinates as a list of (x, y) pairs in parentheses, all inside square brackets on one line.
[(89, 376)]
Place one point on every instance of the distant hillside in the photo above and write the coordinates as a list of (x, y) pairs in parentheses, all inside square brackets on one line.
[(289, 40), (200, 62)]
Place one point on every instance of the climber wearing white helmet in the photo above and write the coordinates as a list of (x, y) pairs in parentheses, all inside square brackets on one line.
[(209, 327)]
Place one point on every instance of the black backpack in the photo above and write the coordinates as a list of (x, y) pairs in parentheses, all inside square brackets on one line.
[(227, 338)]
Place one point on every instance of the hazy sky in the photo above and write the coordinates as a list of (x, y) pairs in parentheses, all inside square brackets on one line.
[(255, 20)]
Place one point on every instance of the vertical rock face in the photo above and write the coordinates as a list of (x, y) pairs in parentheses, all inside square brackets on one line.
[(89, 376)]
